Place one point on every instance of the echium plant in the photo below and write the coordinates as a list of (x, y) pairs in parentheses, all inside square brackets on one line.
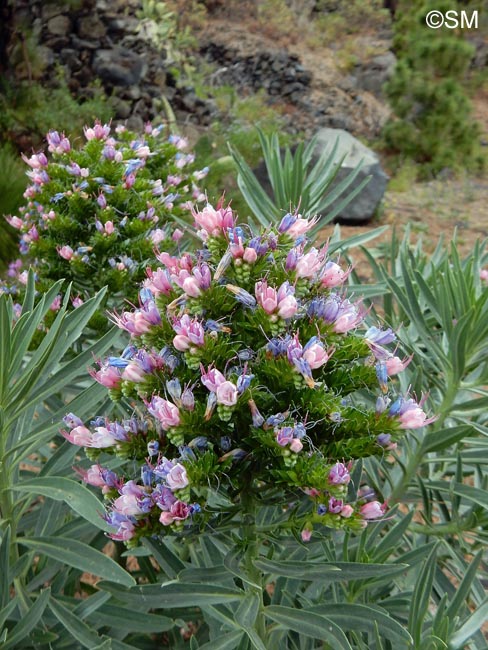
[(250, 379), (94, 214)]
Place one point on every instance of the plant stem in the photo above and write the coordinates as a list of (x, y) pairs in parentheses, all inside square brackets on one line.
[(416, 459), (252, 547)]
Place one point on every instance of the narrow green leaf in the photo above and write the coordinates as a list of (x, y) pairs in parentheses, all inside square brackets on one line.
[(122, 618), (4, 567), (256, 642), (79, 555), (356, 240), (83, 633), (444, 438), (336, 572), (174, 594), (7, 611), (476, 495), (229, 641), (248, 609), (76, 495), (28, 621), (215, 574), (5, 344), (233, 565), (169, 562), (470, 627), (309, 624), (364, 618), (421, 597), (464, 589)]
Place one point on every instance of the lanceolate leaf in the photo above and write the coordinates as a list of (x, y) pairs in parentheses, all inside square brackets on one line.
[(80, 556), (83, 633), (174, 594), (469, 628), (228, 641), (365, 619), (76, 495), (28, 622), (309, 624), (335, 572)]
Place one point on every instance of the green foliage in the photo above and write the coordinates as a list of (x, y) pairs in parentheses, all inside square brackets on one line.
[(100, 210), (295, 182), (12, 186), (433, 123), (236, 129), (441, 303), (31, 466), (28, 109)]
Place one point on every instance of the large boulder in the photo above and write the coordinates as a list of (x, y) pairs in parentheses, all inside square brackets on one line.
[(363, 207)]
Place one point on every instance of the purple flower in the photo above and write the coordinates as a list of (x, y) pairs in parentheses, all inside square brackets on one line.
[(339, 474)]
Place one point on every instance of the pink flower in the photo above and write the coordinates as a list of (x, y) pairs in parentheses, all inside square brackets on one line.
[(347, 511), (287, 307), (124, 532), (80, 436), (98, 132), (128, 505), (36, 161), (306, 535), (484, 274), (166, 518), (177, 478), (66, 252), (413, 418), (77, 302), (107, 376), (309, 264), (250, 255), (339, 474), (134, 372), (214, 222), (373, 510), (227, 393), (166, 412), (102, 437), (296, 445), (15, 222), (177, 235), (56, 303), (394, 365), (158, 282), (178, 512), (212, 378), (349, 317), (109, 228), (191, 287), (316, 355), (267, 297), (333, 275), (93, 476)]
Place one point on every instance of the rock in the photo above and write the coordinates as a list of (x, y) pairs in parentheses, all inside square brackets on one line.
[(135, 123), (372, 75), (91, 27), (119, 67), (364, 205), (84, 44), (70, 58), (59, 25), (121, 108)]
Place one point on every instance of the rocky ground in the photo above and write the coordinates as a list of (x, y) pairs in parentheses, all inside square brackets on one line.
[(352, 100), (314, 79)]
